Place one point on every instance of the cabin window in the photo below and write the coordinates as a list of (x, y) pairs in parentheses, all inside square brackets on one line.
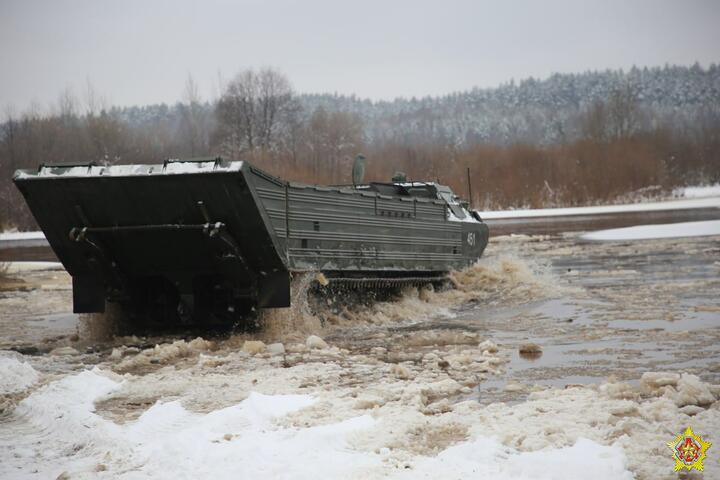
[(316, 226)]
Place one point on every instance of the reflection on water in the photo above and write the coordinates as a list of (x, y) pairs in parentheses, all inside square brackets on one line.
[(645, 306)]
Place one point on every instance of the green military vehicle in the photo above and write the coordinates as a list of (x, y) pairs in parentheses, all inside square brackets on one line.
[(211, 239)]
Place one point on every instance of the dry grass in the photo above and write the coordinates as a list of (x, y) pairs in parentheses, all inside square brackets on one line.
[(585, 172), (577, 173)]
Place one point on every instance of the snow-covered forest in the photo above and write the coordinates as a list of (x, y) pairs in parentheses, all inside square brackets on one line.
[(529, 111), (534, 111), (567, 139)]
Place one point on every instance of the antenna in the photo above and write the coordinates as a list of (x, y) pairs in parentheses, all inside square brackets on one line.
[(358, 170), (469, 188)]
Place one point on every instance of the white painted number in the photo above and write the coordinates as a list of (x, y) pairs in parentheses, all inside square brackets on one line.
[(471, 239)]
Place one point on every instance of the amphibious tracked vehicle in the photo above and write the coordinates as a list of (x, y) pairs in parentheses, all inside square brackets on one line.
[(191, 240)]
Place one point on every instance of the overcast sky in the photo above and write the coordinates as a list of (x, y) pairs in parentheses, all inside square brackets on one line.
[(141, 51)]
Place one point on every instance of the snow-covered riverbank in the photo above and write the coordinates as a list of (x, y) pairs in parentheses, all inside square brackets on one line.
[(387, 431)]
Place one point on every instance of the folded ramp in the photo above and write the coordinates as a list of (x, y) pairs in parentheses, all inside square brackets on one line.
[(194, 226)]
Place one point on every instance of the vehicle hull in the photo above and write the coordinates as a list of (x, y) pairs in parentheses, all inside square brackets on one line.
[(219, 235)]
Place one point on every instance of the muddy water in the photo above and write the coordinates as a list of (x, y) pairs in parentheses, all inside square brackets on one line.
[(635, 307), (597, 310)]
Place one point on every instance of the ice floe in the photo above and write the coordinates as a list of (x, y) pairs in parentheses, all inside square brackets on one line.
[(667, 230), (15, 375)]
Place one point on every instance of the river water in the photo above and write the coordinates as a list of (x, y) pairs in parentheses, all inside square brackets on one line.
[(597, 312), (595, 309)]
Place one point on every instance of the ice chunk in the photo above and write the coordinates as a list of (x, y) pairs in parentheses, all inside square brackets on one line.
[(165, 353), (651, 381), (691, 410), (604, 209), (692, 391), (488, 346), (401, 372), (514, 387), (16, 375), (313, 341), (276, 349), (64, 351), (669, 230), (253, 347)]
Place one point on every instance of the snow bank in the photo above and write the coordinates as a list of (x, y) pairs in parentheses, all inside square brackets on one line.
[(698, 192), (666, 230), (486, 458), (56, 431), (15, 375), (611, 414), (18, 267), (604, 209), (11, 236)]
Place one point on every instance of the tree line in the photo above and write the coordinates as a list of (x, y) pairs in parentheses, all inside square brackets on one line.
[(621, 144)]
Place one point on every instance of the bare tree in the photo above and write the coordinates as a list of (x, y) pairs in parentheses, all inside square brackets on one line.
[(614, 119), (194, 119), (253, 109), (331, 138), (623, 112), (8, 149), (94, 102), (594, 122), (274, 96), (9, 134), (67, 104), (191, 94)]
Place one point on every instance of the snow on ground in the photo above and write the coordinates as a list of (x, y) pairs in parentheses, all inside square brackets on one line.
[(15, 375), (17, 267), (486, 458), (605, 209), (11, 236), (384, 395), (168, 441), (667, 230), (340, 431), (62, 434), (698, 192)]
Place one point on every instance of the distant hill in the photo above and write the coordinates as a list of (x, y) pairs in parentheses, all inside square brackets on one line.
[(534, 111)]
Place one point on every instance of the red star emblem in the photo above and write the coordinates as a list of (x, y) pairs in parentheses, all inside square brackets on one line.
[(688, 450)]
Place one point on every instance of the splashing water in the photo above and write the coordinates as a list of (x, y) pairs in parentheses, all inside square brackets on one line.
[(501, 280), (296, 321), (506, 279), (100, 327)]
